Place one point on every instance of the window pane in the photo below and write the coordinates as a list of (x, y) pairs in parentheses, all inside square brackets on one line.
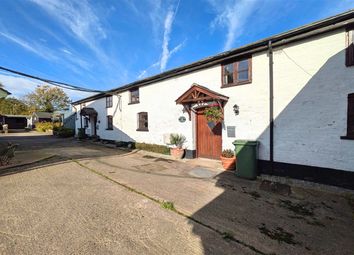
[(143, 121), (109, 101), (243, 76), (243, 65), (228, 74), (134, 96)]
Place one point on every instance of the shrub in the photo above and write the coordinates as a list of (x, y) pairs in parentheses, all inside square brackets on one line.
[(228, 153), (45, 126), (153, 148), (177, 140), (64, 132)]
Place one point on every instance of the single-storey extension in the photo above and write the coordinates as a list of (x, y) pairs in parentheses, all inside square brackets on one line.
[(292, 92), (14, 121)]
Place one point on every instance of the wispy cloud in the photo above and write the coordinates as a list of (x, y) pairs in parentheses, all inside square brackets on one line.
[(49, 54), (166, 52), (166, 39), (79, 17), (232, 15), (32, 47), (20, 86)]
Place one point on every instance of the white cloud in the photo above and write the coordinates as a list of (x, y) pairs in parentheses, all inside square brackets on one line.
[(19, 87), (166, 40), (166, 53), (233, 15), (79, 17), (33, 47)]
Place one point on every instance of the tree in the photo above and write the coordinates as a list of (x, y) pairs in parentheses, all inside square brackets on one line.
[(47, 98), (13, 106)]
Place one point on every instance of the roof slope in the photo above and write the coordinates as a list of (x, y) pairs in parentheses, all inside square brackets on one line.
[(44, 115), (322, 26)]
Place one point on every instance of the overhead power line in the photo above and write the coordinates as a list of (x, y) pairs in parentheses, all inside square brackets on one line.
[(55, 83)]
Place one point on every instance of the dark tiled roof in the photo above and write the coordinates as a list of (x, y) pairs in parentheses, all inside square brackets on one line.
[(328, 24)]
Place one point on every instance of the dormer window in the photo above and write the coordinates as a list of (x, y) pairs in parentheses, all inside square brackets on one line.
[(237, 73)]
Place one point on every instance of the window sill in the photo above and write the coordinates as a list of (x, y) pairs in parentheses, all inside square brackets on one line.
[(144, 130), (134, 103), (347, 137), (235, 84), (109, 106), (109, 128)]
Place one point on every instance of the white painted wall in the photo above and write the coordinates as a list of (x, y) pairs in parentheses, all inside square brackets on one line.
[(310, 105)]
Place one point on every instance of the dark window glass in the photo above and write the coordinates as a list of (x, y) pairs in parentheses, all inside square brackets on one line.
[(143, 121), (109, 101), (229, 74), (237, 73), (109, 122), (349, 51), (242, 71), (350, 119), (134, 96), (86, 122)]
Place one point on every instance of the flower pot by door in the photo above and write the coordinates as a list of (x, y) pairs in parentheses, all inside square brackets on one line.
[(177, 153), (228, 163)]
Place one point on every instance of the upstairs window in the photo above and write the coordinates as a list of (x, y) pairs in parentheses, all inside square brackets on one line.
[(109, 122), (349, 51), (109, 101), (143, 124), (350, 117), (134, 96), (237, 73)]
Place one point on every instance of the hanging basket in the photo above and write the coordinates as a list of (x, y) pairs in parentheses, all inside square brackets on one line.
[(213, 114)]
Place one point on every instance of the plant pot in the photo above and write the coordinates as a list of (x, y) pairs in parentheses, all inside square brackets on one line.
[(177, 153), (228, 163)]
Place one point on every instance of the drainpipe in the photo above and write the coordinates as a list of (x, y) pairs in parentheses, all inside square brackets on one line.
[(271, 106)]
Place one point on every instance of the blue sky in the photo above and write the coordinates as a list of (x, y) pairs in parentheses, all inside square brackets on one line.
[(105, 44)]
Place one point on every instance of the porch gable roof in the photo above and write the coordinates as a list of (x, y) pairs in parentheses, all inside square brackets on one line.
[(197, 93)]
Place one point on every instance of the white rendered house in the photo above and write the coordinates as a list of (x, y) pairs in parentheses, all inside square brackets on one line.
[(293, 92)]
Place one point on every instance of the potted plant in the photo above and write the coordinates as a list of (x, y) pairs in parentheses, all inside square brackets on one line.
[(213, 115), (177, 140), (228, 159)]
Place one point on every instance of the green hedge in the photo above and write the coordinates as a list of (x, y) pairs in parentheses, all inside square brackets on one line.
[(65, 132), (153, 148)]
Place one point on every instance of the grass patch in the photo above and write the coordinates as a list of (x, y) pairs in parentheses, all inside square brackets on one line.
[(297, 208), (278, 234), (168, 205), (153, 148), (149, 157), (227, 236)]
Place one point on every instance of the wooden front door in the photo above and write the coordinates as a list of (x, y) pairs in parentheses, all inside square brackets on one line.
[(209, 141)]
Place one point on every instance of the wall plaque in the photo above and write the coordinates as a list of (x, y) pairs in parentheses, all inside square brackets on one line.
[(231, 131), (182, 119)]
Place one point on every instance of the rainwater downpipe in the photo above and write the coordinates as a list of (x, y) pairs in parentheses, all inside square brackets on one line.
[(271, 107)]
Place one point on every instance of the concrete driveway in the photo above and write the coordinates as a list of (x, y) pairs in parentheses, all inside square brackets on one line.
[(89, 199)]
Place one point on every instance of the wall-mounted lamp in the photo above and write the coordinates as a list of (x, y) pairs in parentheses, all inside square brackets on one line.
[(236, 109)]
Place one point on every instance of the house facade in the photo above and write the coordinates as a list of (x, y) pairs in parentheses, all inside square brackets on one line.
[(292, 92)]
